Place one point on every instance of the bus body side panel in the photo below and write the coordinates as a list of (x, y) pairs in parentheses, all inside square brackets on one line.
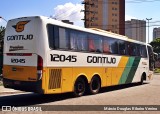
[(61, 75), (133, 69), (142, 68), (58, 80)]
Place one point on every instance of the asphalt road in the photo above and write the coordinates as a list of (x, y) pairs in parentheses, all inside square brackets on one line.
[(132, 94)]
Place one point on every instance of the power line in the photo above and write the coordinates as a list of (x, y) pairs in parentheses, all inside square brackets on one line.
[(100, 2), (131, 27), (56, 16), (65, 16), (131, 1), (158, 21)]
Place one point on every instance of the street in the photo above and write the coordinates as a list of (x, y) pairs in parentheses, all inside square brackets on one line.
[(132, 94)]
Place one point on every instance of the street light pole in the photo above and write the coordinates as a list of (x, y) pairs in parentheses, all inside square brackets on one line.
[(3, 19), (148, 27)]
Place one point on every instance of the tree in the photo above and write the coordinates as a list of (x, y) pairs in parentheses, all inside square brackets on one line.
[(156, 45), (2, 31)]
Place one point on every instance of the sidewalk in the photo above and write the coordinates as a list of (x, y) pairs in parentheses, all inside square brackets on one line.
[(8, 91), (157, 74)]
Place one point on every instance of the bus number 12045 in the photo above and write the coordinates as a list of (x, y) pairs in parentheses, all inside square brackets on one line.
[(63, 58)]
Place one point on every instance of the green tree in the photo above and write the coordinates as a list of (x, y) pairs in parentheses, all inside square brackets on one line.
[(156, 45), (2, 31)]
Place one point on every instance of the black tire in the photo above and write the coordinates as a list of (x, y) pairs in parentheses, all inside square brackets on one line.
[(142, 80), (79, 87), (94, 85)]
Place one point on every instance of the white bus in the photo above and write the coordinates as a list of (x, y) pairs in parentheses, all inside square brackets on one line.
[(47, 56)]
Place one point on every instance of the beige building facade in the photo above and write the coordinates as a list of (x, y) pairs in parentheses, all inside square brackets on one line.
[(136, 29), (156, 33)]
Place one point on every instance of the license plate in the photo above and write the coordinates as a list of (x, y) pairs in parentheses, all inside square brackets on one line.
[(17, 82)]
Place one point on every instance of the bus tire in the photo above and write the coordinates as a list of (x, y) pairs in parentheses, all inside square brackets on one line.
[(95, 85), (142, 80), (79, 87)]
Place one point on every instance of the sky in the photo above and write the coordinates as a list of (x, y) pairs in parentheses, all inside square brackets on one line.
[(71, 9)]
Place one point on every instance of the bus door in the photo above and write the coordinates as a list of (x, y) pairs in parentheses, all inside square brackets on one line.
[(151, 58)]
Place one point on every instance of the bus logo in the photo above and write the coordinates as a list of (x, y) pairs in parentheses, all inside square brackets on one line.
[(19, 27)]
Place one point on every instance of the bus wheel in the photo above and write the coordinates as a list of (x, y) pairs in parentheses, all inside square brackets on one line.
[(79, 87), (142, 79), (95, 85)]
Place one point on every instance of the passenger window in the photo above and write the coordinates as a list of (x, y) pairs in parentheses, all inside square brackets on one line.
[(91, 45), (138, 50), (78, 41), (63, 39), (53, 35), (73, 40), (95, 43), (110, 46), (106, 46), (82, 42), (122, 48), (114, 46), (132, 49)]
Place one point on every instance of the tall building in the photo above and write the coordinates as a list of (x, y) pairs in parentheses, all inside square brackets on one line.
[(156, 33), (136, 29), (105, 14)]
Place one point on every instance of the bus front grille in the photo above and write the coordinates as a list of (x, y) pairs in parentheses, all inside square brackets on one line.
[(54, 78)]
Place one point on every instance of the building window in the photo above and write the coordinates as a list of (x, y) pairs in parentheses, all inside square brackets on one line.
[(114, 3), (114, 8)]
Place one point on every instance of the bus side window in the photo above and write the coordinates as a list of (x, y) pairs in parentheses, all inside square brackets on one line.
[(138, 50), (82, 44), (73, 40), (63, 38), (98, 44), (129, 49), (53, 35), (106, 47), (132, 49), (91, 45), (122, 48), (114, 46), (143, 51)]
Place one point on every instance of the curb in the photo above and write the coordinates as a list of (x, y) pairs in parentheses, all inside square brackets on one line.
[(5, 93), (156, 73), (8, 91)]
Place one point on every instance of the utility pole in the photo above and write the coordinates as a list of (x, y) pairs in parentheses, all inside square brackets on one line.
[(86, 10), (148, 27)]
